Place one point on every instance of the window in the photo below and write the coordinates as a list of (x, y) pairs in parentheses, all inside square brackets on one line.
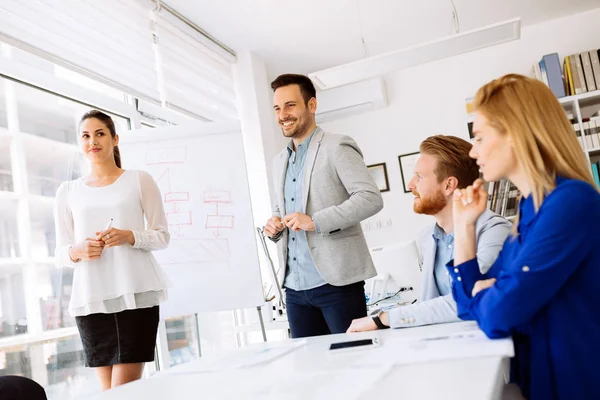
[(216, 334), (56, 364), (38, 151)]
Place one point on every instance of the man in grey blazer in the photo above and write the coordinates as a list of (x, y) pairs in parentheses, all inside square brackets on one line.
[(444, 165), (322, 191)]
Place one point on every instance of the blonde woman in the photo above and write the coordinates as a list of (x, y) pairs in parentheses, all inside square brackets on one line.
[(544, 287), (107, 224)]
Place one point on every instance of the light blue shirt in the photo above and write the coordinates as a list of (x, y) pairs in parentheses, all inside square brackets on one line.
[(433, 307), (301, 271), (444, 252)]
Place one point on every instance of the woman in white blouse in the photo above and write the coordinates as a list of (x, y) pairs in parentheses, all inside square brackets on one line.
[(117, 283)]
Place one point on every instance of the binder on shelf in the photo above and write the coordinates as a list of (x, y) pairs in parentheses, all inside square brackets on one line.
[(595, 132), (569, 75), (554, 74), (544, 73), (587, 134), (587, 71), (596, 174), (595, 60), (580, 74)]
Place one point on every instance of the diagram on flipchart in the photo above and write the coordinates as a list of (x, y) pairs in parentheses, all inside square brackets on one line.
[(196, 236)]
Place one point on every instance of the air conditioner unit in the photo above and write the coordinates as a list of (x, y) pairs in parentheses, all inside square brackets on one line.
[(356, 98)]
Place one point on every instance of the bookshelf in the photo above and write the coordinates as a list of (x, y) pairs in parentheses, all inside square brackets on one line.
[(580, 108)]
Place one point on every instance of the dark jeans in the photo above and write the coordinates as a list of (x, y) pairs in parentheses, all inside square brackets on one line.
[(325, 309)]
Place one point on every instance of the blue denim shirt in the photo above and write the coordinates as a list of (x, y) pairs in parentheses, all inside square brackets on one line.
[(444, 252), (301, 272)]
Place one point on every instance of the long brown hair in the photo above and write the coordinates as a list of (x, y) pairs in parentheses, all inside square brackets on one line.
[(544, 142), (108, 121)]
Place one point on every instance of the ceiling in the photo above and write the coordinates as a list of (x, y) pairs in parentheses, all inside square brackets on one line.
[(310, 35)]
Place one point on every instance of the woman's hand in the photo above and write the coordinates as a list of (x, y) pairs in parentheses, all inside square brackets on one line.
[(482, 285), (113, 237), (469, 204), (90, 249)]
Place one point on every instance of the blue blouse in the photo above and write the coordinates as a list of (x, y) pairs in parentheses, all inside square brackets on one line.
[(547, 294)]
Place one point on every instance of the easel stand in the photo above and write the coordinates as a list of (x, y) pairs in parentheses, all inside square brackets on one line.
[(281, 302)]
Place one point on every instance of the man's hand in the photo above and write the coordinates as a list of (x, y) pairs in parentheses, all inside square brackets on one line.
[(367, 324), (298, 221), (482, 285), (273, 226)]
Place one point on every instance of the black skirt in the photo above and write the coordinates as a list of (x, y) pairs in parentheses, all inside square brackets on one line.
[(120, 338)]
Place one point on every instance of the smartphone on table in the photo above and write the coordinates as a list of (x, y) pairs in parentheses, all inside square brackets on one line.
[(355, 344)]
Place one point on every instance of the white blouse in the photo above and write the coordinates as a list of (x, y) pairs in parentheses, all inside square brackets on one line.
[(124, 277)]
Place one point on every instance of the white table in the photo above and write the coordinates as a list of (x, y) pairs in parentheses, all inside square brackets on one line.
[(307, 373)]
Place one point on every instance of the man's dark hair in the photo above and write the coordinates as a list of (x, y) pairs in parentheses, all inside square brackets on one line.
[(306, 86)]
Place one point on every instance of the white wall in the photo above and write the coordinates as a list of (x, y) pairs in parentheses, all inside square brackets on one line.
[(262, 141), (430, 99)]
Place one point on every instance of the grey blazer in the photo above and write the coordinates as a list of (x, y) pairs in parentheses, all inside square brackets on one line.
[(491, 231), (338, 192)]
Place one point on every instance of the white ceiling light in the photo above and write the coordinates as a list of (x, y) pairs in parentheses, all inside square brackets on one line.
[(431, 51)]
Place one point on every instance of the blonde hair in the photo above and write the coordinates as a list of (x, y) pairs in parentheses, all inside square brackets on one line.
[(544, 142)]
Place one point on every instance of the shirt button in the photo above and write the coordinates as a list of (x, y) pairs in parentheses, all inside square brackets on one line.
[(459, 279), (293, 180), (292, 199), (525, 269), (293, 239), (456, 270)]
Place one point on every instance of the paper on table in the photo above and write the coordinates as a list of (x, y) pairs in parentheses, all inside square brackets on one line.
[(241, 358), (353, 383), (255, 384), (459, 345), (347, 384)]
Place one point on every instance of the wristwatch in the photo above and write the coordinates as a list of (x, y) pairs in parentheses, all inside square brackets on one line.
[(377, 320)]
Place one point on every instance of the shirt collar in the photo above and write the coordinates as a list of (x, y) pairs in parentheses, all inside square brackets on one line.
[(527, 208), (438, 233), (304, 143)]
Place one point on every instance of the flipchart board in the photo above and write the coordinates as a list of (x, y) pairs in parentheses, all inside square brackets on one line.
[(212, 259)]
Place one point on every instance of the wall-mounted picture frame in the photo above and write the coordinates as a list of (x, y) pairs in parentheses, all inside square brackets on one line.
[(379, 174), (407, 165)]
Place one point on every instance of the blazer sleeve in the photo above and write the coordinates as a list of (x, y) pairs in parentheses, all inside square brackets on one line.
[(433, 311), (552, 251), (491, 240), (444, 309), (365, 199)]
